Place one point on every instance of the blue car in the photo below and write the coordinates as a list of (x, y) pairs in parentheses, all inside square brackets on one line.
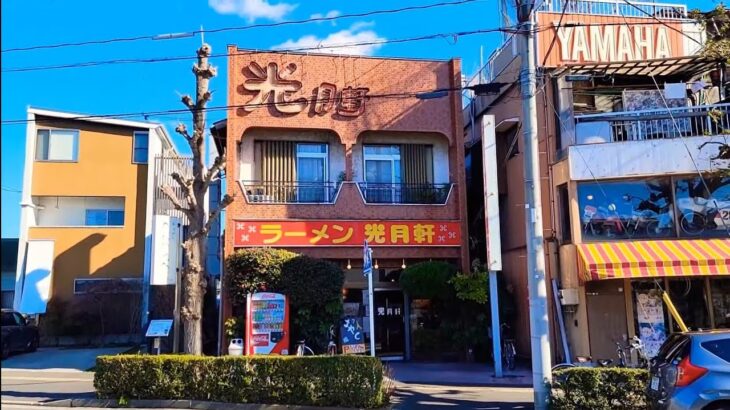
[(691, 371)]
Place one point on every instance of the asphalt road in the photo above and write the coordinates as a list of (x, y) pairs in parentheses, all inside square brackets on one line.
[(36, 386)]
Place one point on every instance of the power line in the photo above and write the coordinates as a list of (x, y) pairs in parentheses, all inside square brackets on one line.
[(557, 28), (11, 190), (661, 22), (240, 28), (311, 48)]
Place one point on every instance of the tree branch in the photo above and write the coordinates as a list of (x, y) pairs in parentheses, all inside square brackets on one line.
[(227, 200), (167, 190), (187, 186), (182, 130), (219, 164), (188, 101)]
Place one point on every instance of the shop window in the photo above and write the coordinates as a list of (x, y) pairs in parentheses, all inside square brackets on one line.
[(720, 294), (626, 210), (57, 145), (703, 213), (690, 299)]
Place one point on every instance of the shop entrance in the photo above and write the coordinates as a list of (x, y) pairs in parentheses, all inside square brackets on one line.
[(606, 317), (389, 323)]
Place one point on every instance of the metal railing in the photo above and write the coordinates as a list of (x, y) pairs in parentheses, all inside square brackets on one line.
[(273, 192), (643, 9), (704, 120), (164, 168), (375, 193)]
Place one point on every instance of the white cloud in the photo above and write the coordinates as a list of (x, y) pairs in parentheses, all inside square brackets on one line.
[(253, 9), (330, 14), (339, 42)]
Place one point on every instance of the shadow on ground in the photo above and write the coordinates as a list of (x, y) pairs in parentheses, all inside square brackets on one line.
[(455, 399)]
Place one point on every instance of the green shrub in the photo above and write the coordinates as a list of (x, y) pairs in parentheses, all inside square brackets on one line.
[(348, 381), (428, 280), (314, 287), (599, 388), (472, 287), (252, 270)]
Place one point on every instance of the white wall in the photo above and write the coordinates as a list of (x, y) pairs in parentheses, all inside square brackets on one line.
[(71, 210), (642, 158), (246, 153), (440, 151)]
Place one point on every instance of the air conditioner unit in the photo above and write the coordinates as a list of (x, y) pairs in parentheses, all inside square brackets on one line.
[(569, 297)]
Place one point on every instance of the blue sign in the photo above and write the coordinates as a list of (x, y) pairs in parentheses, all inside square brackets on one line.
[(352, 335), (367, 260)]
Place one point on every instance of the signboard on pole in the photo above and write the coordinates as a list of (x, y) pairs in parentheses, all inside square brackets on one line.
[(352, 335), (367, 269), (367, 260)]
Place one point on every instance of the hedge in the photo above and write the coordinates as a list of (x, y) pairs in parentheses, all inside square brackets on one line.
[(346, 381), (599, 388)]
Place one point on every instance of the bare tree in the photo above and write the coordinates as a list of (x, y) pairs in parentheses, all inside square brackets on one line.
[(194, 274)]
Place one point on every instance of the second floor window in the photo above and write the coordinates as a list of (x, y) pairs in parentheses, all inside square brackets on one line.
[(104, 217), (141, 147), (57, 145)]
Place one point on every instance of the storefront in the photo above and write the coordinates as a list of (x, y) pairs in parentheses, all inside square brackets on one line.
[(319, 161)]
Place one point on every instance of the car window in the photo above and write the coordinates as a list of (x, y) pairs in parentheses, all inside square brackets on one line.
[(8, 319), (720, 348), (19, 320), (672, 347)]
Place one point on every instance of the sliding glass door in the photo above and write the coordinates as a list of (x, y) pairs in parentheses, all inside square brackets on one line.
[(312, 173)]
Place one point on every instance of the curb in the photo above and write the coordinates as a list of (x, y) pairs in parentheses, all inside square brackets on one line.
[(170, 404)]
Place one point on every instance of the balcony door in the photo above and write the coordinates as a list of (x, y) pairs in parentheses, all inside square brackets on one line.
[(312, 173), (382, 173)]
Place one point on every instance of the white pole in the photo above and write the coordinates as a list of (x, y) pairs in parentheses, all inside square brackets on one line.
[(496, 338), (540, 344), (371, 316)]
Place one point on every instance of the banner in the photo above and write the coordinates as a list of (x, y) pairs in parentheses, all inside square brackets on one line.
[(650, 315), (352, 335), (346, 233)]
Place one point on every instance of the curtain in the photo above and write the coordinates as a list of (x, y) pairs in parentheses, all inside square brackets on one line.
[(416, 163), (276, 171)]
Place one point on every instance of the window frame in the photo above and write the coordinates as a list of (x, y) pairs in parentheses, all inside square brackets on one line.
[(50, 134), (107, 210), (381, 157), (134, 147), (317, 155)]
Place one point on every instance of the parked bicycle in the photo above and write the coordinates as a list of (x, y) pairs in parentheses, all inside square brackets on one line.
[(303, 349), (700, 214), (332, 345), (509, 352)]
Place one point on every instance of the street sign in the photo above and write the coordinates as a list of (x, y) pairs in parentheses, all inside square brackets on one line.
[(159, 328), (367, 260)]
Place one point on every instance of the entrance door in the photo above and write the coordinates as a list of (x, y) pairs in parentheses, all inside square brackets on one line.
[(389, 324), (606, 318)]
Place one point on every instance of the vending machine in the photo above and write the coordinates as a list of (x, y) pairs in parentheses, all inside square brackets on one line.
[(267, 324)]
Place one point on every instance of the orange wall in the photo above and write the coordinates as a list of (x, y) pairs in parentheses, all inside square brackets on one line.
[(104, 168)]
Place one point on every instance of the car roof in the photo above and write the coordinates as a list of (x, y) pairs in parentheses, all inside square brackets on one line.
[(707, 332)]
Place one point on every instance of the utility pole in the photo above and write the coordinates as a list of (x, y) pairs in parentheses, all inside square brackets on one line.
[(539, 342)]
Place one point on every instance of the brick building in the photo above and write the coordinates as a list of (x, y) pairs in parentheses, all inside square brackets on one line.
[(326, 151)]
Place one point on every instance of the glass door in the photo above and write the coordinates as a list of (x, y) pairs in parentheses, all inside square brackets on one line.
[(312, 173), (382, 173)]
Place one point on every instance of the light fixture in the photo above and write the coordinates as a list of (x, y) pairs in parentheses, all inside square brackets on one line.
[(349, 266), (376, 264), (403, 266)]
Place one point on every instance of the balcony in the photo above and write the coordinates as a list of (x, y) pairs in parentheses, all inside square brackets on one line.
[(696, 121), (421, 194), (281, 192), (640, 9)]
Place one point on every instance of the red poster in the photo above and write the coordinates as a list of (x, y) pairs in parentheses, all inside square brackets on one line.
[(347, 233)]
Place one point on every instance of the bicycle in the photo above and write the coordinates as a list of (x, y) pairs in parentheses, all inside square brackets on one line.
[(332, 345), (303, 349), (509, 352)]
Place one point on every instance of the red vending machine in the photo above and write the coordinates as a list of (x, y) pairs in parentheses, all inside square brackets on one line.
[(267, 324)]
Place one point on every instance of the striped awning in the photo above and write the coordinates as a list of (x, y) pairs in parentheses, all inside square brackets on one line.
[(642, 259)]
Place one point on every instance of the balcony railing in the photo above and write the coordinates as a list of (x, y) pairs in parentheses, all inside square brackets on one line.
[(273, 192), (642, 9), (705, 120), (429, 194)]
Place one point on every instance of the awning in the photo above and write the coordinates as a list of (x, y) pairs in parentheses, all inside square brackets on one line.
[(688, 67), (645, 259)]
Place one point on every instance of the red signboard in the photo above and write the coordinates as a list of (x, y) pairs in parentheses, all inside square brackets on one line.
[(346, 233)]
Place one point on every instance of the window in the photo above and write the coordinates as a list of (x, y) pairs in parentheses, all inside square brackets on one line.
[(626, 210), (312, 173), (121, 285), (8, 319), (564, 212), (382, 173), (104, 217), (57, 145), (699, 213), (141, 147), (720, 348)]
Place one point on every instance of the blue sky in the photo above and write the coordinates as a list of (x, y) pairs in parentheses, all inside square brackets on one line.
[(128, 88)]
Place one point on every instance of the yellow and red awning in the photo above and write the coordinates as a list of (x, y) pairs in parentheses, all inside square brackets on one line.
[(646, 259)]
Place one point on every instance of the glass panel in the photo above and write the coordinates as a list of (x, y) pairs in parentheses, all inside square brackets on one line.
[(720, 348), (116, 218), (141, 139), (689, 297), (720, 291), (312, 148), (311, 176), (701, 214), (62, 146), (41, 146), (626, 210), (379, 171), (96, 217), (140, 155), (382, 150)]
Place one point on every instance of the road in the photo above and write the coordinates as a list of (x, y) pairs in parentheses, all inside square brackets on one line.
[(37, 386)]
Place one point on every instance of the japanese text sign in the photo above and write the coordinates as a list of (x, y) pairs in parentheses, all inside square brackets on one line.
[(352, 336), (346, 233)]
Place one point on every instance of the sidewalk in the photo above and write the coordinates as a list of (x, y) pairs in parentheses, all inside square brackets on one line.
[(457, 374)]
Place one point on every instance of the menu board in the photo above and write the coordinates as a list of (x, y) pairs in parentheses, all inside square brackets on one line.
[(352, 335)]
